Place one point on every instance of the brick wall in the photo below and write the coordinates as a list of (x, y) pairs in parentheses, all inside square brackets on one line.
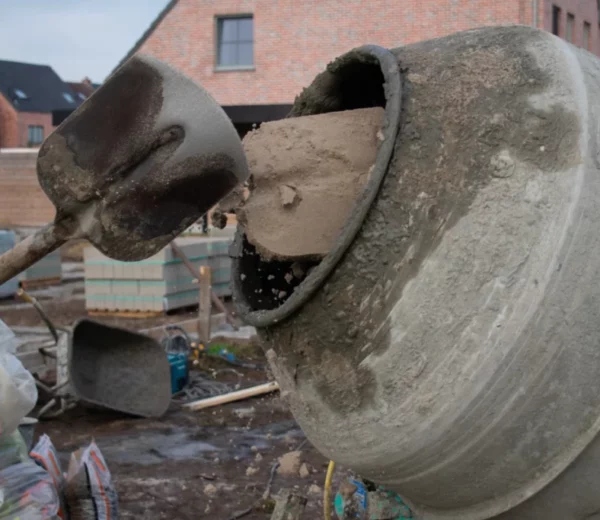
[(25, 119), (583, 11), (22, 201), (9, 133), (293, 41)]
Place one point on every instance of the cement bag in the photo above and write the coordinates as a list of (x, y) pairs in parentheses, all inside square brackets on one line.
[(44, 455), (27, 493), (18, 393), (89, 492)]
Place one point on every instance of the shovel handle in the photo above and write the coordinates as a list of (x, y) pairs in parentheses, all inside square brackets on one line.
[(29, 251)]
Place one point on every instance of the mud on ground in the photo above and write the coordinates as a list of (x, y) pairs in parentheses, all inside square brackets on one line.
[(212, 463)]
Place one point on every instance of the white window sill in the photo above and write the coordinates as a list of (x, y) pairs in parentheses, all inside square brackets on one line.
[(234, 68)]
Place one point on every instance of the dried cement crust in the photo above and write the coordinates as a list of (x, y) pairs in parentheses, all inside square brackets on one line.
[(307, 174)]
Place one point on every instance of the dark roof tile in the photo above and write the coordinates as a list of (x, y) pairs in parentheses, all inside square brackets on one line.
[(35, 88)]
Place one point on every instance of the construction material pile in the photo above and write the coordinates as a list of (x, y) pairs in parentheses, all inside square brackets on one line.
[(159, 283), (7, 242), (47, 270)]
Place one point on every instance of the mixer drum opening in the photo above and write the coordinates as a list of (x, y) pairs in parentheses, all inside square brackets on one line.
[(333, 141)]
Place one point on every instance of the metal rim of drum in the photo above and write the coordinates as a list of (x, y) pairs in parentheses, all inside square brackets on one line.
[(392, 87)]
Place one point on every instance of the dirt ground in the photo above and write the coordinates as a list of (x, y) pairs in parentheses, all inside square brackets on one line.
[(213, 464)]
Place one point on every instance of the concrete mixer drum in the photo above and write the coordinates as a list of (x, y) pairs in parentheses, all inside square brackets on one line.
[(446, 346)]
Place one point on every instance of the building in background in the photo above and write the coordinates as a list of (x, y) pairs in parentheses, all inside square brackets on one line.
[(33, 101), (255, 56), (84, 89)]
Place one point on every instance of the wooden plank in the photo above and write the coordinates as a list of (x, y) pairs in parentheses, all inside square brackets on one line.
[(204, 305), (192, 269), (40, 283), (124, 314), (233, 396)]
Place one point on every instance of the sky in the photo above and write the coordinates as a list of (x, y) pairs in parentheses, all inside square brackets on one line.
[(77, 38)]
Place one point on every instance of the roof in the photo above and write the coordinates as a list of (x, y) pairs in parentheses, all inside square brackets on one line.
[(161, 16), (35, 88), (84, 88)]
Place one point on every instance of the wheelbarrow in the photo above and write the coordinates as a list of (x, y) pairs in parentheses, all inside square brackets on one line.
[(101, 366), (109, 368)]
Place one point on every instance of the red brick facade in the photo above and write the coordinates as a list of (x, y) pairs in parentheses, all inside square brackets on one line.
[(14, 126), (9, 130), (293, 41), (27, 119), (582, 11), (22, 201)]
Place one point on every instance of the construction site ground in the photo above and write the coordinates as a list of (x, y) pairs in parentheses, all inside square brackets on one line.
[(213, 463)]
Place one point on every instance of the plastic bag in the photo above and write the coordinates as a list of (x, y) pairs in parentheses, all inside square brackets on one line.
[(12, 449), (18, 393), (8, 340), (89, 492), (44, 455), (27, 493)]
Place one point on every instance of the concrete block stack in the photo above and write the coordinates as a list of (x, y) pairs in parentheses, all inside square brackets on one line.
[(47, 269), (159, 283), (7, 241)]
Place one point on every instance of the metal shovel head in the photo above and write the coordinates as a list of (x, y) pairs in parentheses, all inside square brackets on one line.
[(118, 369), (140, 161)]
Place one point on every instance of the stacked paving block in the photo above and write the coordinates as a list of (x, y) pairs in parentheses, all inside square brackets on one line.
[(48, 269), (159, 283), (7, 241)]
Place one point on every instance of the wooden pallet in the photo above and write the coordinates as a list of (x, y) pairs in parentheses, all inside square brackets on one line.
[(124, 314), (40, 283)]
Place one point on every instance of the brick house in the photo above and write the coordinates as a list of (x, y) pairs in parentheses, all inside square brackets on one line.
[(254, 56), (33, 101)]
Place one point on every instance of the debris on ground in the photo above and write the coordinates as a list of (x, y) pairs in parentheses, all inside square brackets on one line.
[(304, 472), (289, 464), (289, 506), (315, 490), (210, 490), (215, 462)]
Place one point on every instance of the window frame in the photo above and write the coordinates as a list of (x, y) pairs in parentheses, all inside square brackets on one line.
[(570, 28), (556, 20), (31, 133), (586, 36), (217, 45)]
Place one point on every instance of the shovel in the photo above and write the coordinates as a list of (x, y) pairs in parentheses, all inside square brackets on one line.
[(140, 161)]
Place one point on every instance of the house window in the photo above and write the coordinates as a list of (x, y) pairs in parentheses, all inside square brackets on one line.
[(570, 27), (235, 42), (35, 134), (68, 97), (556, 12), (587, 36)]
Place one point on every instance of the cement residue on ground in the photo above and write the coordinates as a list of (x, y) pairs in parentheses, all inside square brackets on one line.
[(289, 464), (307, 174)]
